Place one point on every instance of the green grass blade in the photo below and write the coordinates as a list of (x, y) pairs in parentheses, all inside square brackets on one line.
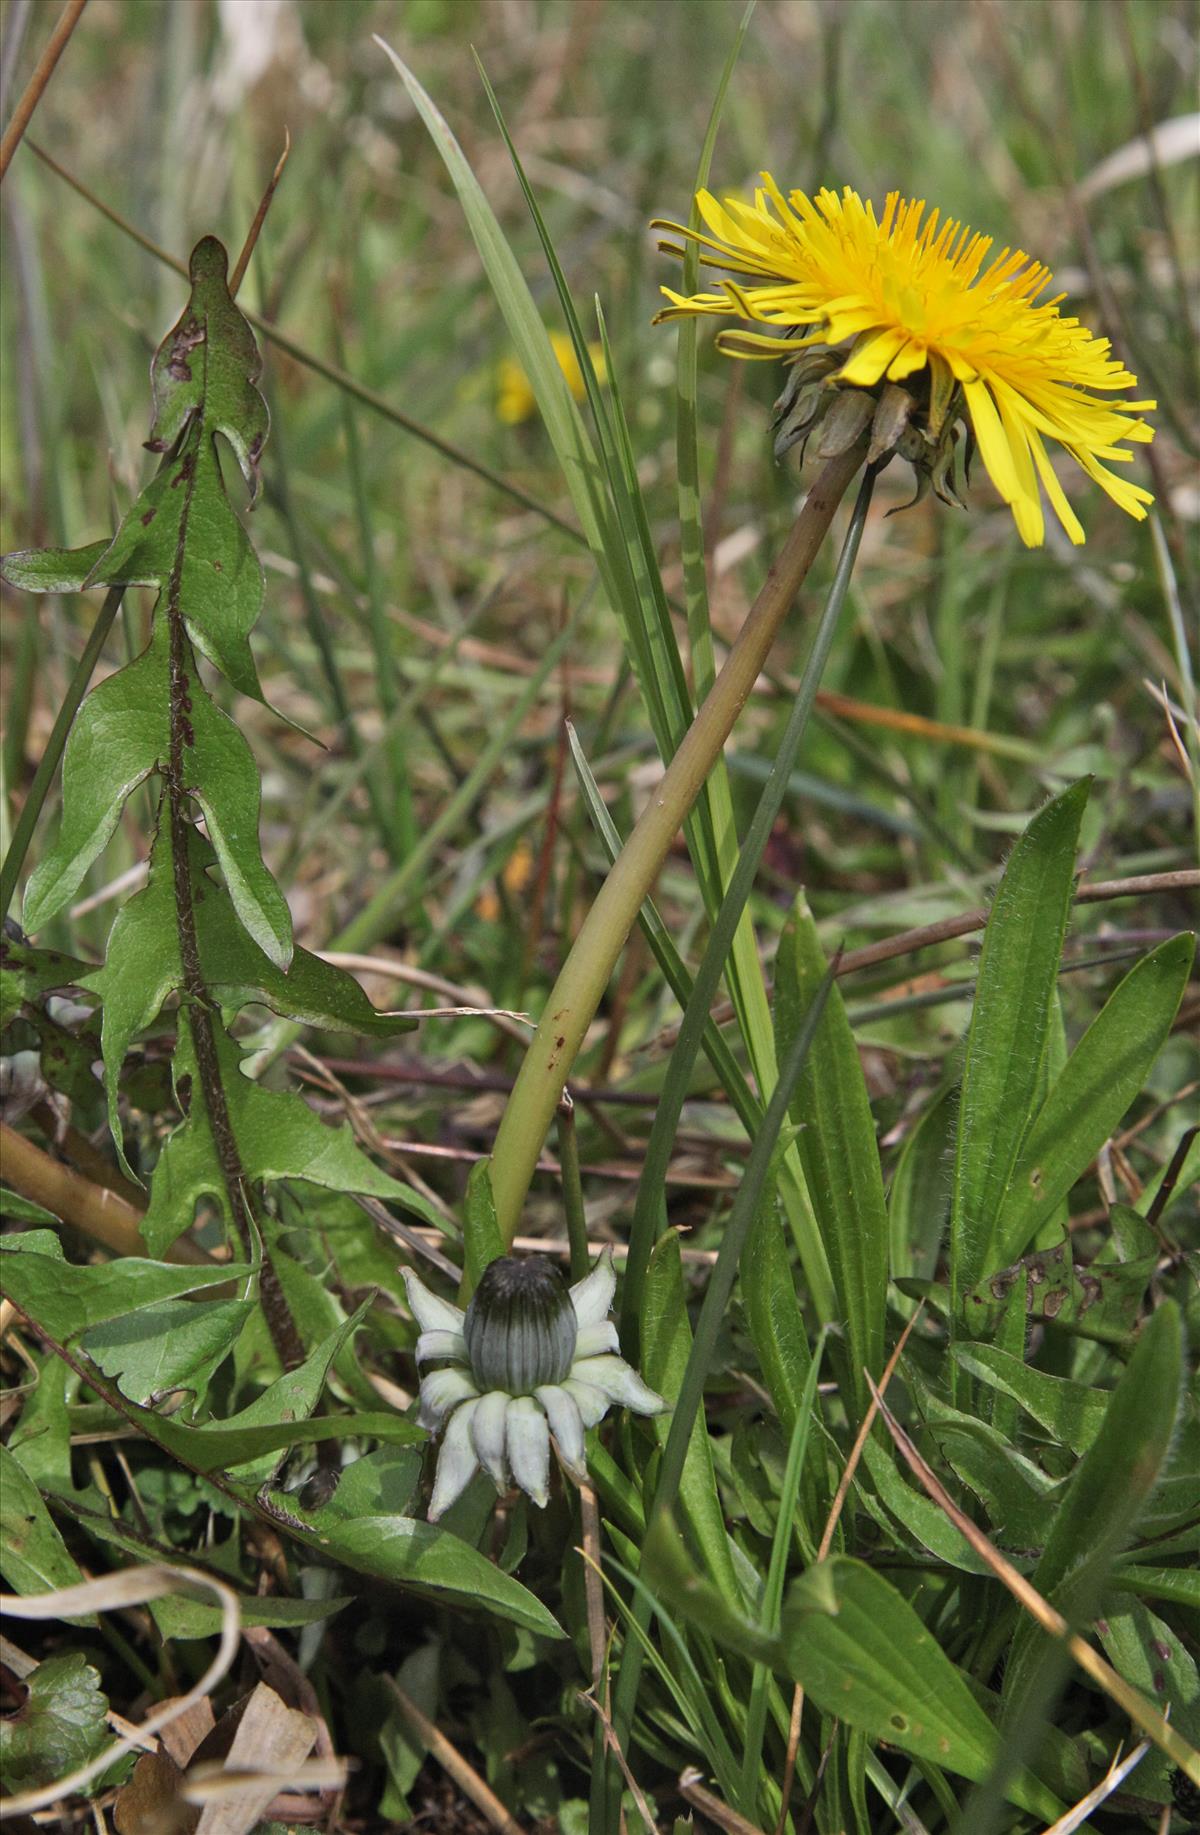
[(648, 1209), (684, 1682), (687, 422), (629, 560), (633, 574), (573, 449), (667, 1337), (772, 1604), (708, 1326)]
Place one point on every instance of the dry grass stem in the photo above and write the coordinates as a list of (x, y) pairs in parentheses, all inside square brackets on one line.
[(133, 1586), (593, 1585), (100, 1213), (43, 71), (260, 216), (1143, 1713), (454, 1764), (614, 1746), (692, 1791), (926, 935), (1112, 1780)]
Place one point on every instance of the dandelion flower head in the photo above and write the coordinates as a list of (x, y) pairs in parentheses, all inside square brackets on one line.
[(921, 304), (531, 1363), (515, 399)]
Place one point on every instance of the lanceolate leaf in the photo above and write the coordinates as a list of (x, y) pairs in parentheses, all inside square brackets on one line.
[(777, 1330), (774, 1314), (278, 1137), (919, 1515), (1109, 1488), (871, 1661), (837, 1147), (1071, 1412), (1017, 977), (1102, 1076)]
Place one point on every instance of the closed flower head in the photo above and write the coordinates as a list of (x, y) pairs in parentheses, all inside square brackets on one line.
[(919, 314), (532, 1361)]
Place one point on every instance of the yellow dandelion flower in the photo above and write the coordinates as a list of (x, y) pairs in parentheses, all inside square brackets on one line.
[(920, 305), (515, 399)]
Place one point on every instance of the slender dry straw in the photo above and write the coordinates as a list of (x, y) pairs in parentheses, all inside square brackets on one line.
[(44, 70)]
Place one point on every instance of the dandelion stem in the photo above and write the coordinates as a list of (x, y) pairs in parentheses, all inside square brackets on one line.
[(577, 993)]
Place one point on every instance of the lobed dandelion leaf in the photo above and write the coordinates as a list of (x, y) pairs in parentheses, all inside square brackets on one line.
[(278, 1137)]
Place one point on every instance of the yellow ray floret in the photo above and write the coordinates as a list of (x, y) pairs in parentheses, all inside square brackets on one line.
[(515, 399), (908, 292)]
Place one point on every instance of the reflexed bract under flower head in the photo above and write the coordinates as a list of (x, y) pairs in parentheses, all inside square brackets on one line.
[(919, 304), (532, 1361)]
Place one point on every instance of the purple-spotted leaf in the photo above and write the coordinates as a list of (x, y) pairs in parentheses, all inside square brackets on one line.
[(182, 532)]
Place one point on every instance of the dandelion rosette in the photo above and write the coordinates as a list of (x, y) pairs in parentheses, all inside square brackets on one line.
[(531, 1360), (911, 309)]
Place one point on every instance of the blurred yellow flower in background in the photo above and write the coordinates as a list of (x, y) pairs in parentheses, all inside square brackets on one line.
[(515, 399), (917, 305)]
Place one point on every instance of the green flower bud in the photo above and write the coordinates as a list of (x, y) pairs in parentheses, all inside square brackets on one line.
[(520, 1328)]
